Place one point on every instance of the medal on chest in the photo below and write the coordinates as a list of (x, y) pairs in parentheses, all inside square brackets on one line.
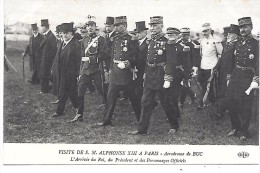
[(124, 45)]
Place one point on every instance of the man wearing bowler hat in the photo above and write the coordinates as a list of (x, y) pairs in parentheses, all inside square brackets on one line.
[(154, 82), (34, 51), (123, 53), (66, 69), (244, 78), (225, 66), (48, 49), (93, 52)]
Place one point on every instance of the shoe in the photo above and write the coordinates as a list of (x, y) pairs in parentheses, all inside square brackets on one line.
[(55, 102), (102, 124), (200, 107), (233, 132), (172, 131), (57, 115), (39, 93), (78, 117), (243, 138), (138, 133)]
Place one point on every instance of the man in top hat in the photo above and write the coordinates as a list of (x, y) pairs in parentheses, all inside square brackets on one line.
[(34, 51), (123, 53), (48, 49), (157, 57), (210, 50), (66, 69), (93, 52), (225, 66), (139, 68), (189, 60), (243, 79), (225, 34), (58, 35)]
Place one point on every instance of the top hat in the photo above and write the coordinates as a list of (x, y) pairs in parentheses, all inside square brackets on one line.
[(66, 27), (90, 23), (34, 26), (234, 29), (206, 26), (172, 30), (44, 22), (110, 21), (226, 30), (156, 20), (244, 21), (140, 26), (120, 20), (185, 31)]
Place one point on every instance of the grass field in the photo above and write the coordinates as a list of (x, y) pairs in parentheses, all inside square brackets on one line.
[(27, 118)]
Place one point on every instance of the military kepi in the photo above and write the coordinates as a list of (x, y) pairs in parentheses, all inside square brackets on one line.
[(244, 21), (110, 20), (156, 20), (185, 31), (140, 26), (172, 30), (44, 22), (226, 30), (34, 26), (234, 29), (206, 26), (120, 20), (66, 27)]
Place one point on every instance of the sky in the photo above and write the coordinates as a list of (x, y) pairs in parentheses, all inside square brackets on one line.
[(176, 13)]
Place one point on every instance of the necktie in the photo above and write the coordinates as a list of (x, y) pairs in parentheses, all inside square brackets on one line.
[(64, 44)]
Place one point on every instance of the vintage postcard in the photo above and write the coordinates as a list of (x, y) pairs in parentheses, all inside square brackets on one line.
[(168, 83)]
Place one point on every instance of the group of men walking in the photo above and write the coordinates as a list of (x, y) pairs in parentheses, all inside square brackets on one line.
[(145, 66)]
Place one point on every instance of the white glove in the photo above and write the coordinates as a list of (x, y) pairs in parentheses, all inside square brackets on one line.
[(121, 65), (78, 78), (252, 86), (195, 69), (85, 58), (166, 84)]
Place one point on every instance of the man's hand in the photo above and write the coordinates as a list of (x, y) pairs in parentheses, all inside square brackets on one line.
[(166, 84), (121, 65), (78, 78), (252, 86), (23, 55), (85, 58), (195, 70)]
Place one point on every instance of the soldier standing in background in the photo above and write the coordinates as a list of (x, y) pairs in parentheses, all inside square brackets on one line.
[(243, 79), (48, 49), (33, 48)]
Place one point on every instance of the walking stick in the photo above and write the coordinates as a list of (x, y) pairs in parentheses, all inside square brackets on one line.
[(208, 88), (9, 62), (23, 70), (102, 81)]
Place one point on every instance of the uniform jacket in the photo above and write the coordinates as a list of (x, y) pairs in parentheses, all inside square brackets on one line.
[(33, 48), (246, 67), (123, 49), (154, 76), (66, 67), (48, 49), (96, 53), (141, 59), (109, 38)]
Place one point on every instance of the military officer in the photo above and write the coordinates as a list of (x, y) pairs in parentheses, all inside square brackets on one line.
[(123, 53), (34, 51), (210, 50), (225, 66), (66, 69), (189, 57), (157, 58), (93, 52), (243, 79), (48, 49)]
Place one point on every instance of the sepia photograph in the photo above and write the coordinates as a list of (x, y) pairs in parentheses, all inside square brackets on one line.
[(151, 78)]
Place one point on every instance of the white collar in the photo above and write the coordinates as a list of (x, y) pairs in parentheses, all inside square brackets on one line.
[(35, 35), (109, 34), (66, 42), (45, 33), (142, 40)]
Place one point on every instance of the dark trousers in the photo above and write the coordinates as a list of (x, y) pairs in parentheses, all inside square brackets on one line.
[(45, 86), (169, 101), (6, 65), (71, 93), (84, 82), (184, 92), (240, 111), (112, 95), (203, 77), (35, 79)]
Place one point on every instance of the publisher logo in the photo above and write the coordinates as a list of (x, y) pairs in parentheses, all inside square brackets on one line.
[(243, 154)]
